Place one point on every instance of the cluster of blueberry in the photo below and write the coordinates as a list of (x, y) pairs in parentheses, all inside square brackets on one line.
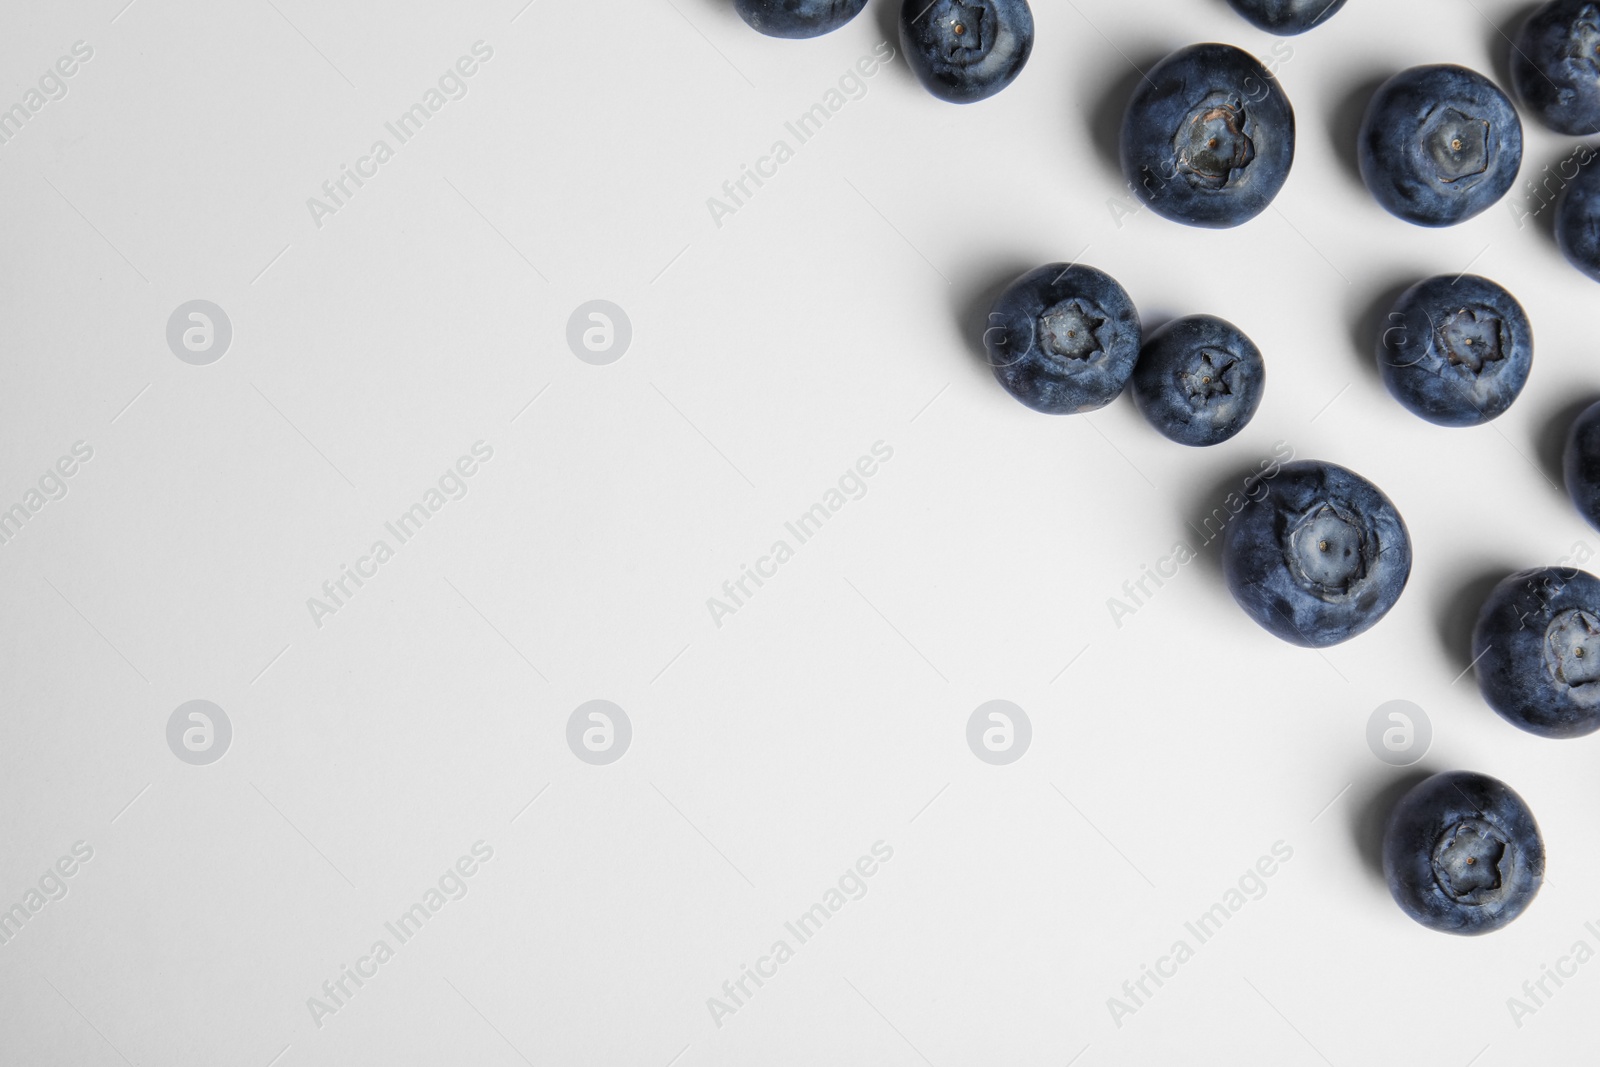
[(1321, 554)]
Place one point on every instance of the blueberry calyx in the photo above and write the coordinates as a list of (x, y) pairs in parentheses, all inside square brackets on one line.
[(1211, 142), (1326, 550), (1572, 653), (1472, 338), (1071, 329), (1471, 861), (1209, 377), (1459, 144)]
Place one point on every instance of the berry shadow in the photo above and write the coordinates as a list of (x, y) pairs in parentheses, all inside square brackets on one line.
[(971, 308), (1498, 40), (1344, 128), (1105, 116), (1536, 207), (1369, 812), (1370, 317), (887, 14), (1458, 613), (1208, 513), (1551, 441)]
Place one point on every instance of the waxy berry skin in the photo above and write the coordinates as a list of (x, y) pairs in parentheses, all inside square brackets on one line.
[(1063, 339), (963, 51), (1439, 144), (1287, 18), (1462, 853), (1536, 651), (1317, 555), (1208, 138), (1199, 380), (798, 18), (1456, 350), (1555, 66)]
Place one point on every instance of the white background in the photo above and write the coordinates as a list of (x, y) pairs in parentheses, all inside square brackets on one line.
[(839, 307)]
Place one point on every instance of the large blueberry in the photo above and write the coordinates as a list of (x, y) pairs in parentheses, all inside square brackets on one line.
[(1578, 220), (966, 50), (1287, 17), (1063, 339), (1555, 65), (1208, 137), (1199, 380), (798, 18), (1462, 854), (1536, 647), (1456, 350), (1580, 463), (1317, 554), (1439, 144)]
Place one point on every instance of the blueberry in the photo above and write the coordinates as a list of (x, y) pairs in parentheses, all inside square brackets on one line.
[(1555, 65), (966, 50), (1578, 220), (1456, 350), (1199, 380), (1208, 137), (1316, 555), (1287, 17), (1063, 339), (1462, 853), (1439, 144), (1580, 462), (1536, 648), (798, 18)]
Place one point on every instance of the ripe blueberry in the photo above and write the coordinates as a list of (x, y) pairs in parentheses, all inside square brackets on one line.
[(1536, 649), (1578, 221), (1580, 463), (1199, 380), (1208, 137), (1456, 350), (1555, 66), (1462, 854), (798, 18), (1317, 554), (1287, 17), (966, 50), (1063, 339), (1439, 144)]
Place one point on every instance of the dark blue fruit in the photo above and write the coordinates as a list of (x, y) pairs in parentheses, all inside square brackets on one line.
[(1555, 66), (1462, 853), (1199, 380), (966, 50), (1580, 463), (1456, 350), (1578, 221), (1537, 651), (1317, 555), (798, 18), (1287, 17), (1439, 144), (1063, 339), (1208, 137)]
